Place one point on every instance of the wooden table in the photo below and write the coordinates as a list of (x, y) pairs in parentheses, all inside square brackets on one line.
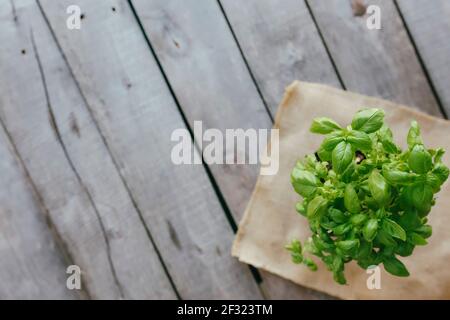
[(86, 119)]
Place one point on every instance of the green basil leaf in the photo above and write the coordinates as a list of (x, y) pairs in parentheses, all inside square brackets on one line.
[(328, 260), (433, 181), (379, 189), (324, 125), (340, 253), (310, 264), (371, 203), (385, 135), (414, 137), (295, 248), (365, 248), (339, 277), (341, 157), (360, 140), (405, 199), (368, 120), (384, 238), (441, 171), (324, 235), (420, 159), (421, 197), (309, 163), (304, 182), (409, 220), (397, 177), (318, 242), (332, 140), (351, 200), (328, 224), (424, 210), (321, 244), (395, 267), (310, 247), (365, 263), (295, 245), (316, 207), (321, 169), (404, 249), (390, 146), (348, 245), (342, 229), (425, 231), (370, 230), (393, 229), (387, 251), (358, 219), (416, 239), (300, 208), (337, 215), (337, 264), (439, 153), (324, 155), (348, 174)]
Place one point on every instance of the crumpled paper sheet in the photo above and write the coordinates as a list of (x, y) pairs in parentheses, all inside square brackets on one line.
[(271, 221)]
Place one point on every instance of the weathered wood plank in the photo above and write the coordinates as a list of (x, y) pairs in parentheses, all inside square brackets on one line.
[(70, 165), (209, 77), (429, 26), (136, 114), (280, 43), (374, 62), (31, 266), (211, 82)]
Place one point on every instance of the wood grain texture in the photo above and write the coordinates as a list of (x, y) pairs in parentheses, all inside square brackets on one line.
[(96, 148), (380, 63), (281, 44), (31, 266), (128, 98), (70, 165), (211, 82), (429, 26)]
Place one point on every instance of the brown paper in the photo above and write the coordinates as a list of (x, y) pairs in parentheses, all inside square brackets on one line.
[(271, 221)]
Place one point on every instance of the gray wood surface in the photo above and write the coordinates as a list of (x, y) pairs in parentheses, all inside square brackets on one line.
[(86, 118), (374, 62), (31, 264), (429, 25), (211, 82), (209, 78), (70, 165), (281, 44), (128, 98)]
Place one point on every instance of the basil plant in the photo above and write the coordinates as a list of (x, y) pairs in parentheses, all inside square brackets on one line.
[(365, 199)]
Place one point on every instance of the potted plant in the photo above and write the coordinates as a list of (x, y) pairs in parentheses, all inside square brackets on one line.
[(365, 199)]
